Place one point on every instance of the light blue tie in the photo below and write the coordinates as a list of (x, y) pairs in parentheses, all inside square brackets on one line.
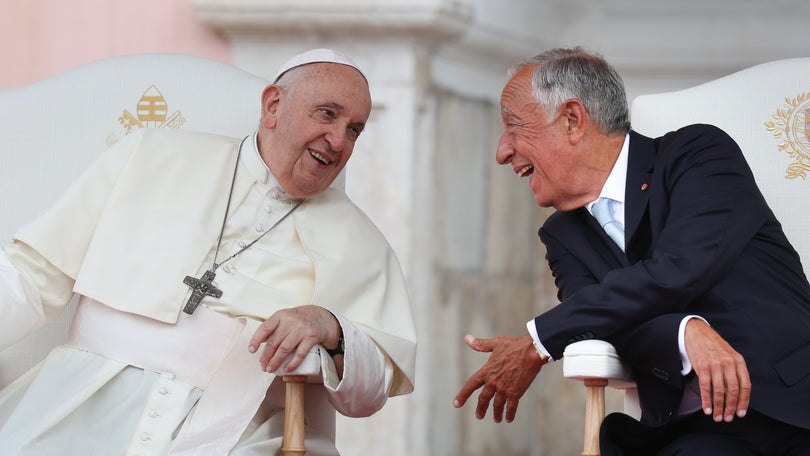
[(602, 210)]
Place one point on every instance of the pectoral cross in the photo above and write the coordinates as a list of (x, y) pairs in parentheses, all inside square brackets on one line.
[(199, 289)]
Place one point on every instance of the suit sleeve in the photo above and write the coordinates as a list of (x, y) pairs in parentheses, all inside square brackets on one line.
[(713, 210)]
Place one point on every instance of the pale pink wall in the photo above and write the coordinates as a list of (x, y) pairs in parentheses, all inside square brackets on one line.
[(39, 38)]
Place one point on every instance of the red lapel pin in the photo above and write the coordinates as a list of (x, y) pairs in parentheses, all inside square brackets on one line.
[(644, 186)]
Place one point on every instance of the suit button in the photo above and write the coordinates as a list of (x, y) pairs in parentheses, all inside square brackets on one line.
[(661, 374)]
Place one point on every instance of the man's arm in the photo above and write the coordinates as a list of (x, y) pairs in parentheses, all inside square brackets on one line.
[(22, 308), (33, 292), (725, 385), (709, 209)]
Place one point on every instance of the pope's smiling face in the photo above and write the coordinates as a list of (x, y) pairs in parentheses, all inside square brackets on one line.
[(310, 121)]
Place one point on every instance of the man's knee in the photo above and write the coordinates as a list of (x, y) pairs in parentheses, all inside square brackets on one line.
[(704, 444)]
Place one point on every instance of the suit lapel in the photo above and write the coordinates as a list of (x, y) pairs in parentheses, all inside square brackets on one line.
[(640, 161), (602, 243)]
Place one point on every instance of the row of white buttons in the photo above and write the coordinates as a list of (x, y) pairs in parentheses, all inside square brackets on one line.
[(259, 227), (153, 413)]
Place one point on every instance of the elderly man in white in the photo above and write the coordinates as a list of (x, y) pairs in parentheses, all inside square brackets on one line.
[(202, 263)]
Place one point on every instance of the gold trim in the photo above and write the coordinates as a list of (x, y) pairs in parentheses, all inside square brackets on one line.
[(791, 125)]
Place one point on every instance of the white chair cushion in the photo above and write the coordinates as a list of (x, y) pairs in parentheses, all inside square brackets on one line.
[(592, 359)]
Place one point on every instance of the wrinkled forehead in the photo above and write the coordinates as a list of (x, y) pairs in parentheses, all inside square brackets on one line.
[(331, 84), (518, 94)]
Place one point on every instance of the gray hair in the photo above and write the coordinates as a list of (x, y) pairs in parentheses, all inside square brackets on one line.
[(290, 78), (563, 74)]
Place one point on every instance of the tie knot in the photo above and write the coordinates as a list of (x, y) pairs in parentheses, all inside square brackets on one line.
[(603, 211)]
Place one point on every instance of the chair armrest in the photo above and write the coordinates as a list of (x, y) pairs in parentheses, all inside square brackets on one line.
[(310, 366), (293, 441), (596, 359)]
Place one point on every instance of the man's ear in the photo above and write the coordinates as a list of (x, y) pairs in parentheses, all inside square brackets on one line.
[(270, 99), (576, 117)]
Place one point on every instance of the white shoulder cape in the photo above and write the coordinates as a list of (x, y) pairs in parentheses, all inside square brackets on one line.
[(146, 213)]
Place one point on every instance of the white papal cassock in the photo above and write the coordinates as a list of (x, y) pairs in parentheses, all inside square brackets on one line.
[(137, 376)]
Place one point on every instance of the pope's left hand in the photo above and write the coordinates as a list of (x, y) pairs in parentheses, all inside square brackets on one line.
[(507, 374), (295, 330)]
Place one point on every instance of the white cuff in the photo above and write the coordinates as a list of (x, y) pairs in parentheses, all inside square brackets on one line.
[(536, 339), (367, 374), (687, 365)]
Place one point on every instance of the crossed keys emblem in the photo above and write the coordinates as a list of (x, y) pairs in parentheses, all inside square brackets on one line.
[(152, 112)]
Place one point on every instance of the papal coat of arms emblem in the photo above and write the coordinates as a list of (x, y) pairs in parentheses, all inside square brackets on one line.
[(152, 112), (791, 126)]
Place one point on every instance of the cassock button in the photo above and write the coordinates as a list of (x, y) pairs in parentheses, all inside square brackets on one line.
[(259, 227), (145, 437), (153, 413), (242, 244), (163, 391), (275, 194), (268, 209)]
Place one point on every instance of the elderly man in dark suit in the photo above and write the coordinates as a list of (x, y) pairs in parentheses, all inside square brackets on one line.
[(666, 248)]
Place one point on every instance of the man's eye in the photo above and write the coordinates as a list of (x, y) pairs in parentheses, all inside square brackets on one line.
[(328, 112)]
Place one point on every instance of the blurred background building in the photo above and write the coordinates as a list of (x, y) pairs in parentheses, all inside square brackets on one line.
[(463, 227)]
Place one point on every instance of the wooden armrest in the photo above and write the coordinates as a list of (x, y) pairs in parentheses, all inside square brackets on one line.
[(292, 442), (596, 363)]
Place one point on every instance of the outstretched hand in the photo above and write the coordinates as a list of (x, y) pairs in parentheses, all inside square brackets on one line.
[(725, 387), (295, 330), (505, 377)]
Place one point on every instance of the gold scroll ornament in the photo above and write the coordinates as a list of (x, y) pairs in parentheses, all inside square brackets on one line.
[(791, 126)]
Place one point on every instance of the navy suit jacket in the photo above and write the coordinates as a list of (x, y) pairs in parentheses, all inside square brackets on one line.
[(700, 240)]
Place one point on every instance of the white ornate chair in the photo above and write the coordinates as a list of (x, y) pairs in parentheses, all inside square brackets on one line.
[(766, 109), (51, 130)]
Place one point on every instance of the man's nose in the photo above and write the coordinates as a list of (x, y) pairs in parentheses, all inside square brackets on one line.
[(505, 152), (337, 138)]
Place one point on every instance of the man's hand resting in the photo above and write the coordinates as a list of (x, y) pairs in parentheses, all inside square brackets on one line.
[(725, 387), (295, 330)]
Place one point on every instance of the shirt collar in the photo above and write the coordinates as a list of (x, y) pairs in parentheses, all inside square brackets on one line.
[(253, 160), (617, 179), (615, 184)]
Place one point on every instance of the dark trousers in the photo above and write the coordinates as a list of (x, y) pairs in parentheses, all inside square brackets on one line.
[(698, 434)]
